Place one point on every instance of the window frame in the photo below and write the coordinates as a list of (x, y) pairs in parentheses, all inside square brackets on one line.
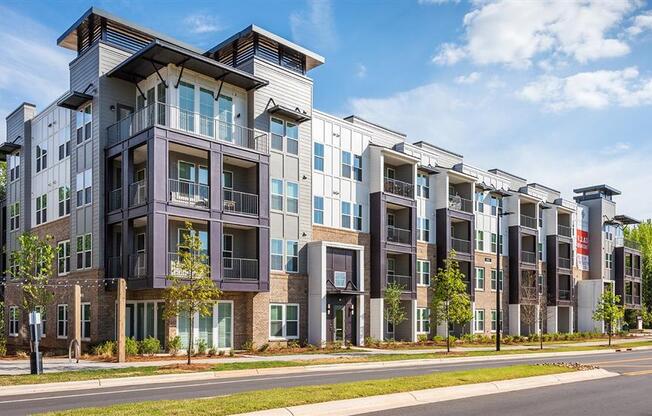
[(293, 199), (348, 166), (62, 323), (357, 167), (61, 249), (318, 159), (14, 321), (423, 320), (293, 256), (41, 209), (64, 204), (348, 215), (337, 273), (86, 253), (420, 273), (316, 210), (480, 271), (476, 321), (284, 321), (86, 126), (83, 319), (479, 240), (423, 190), (423, 229), (273, 254)]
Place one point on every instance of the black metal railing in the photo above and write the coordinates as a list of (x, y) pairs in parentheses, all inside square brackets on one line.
[(461, 245), (405, 282), (564, 230), (114, 269), (458, 203), (240, 202), (399, 235), (115, 199), (529, 222), (397, 187), (529, 257), (138, 193), (240, 269), (563, 263), (189, 193), (175, 267)]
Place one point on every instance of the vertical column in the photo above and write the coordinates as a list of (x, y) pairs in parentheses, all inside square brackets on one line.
[(122, 304), (76, 317), (215, 169), (263, 258), (157, 243), (215, 248), (126, 177)]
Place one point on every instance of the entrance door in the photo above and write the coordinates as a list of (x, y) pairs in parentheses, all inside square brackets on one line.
[(340, 330), (340, 319)]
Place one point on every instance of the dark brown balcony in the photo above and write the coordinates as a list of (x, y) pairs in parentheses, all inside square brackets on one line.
[(460, 245)]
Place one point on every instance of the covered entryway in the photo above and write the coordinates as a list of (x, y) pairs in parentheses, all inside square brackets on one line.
[(340, 319)]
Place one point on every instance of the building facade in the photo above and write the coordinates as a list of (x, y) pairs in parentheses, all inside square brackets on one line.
[(305, 217)]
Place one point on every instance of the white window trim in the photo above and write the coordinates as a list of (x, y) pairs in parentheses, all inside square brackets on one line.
[(59, 244), (475, 321), (484, 279), (285, 256), (420, 273), (315, 210), (65, 327), (282, 254), (193, 171), (420, 321), (282, 195), (287, 197), (82, 320), (284, 321), (11, 320)]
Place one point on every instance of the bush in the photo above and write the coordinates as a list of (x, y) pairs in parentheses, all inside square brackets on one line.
[(174, 345), (3, 347), (371, 342), (422, 338), (263, 348), (231, 353), (294, 344), (248, 345), (150, 346), (212, 352), (221, 353), (201, 346), (438, 339), (131, 346), (105, 349)]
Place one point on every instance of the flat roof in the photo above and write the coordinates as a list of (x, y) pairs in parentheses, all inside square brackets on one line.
[(422, 143), (352, 118), (502, 172), (547, 188), (313, 59), (23, 104), (598, 188)]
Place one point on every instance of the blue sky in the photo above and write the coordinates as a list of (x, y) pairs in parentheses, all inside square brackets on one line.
[(559, 92)]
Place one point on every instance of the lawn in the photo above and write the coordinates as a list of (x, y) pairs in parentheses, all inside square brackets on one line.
[(294, 396)]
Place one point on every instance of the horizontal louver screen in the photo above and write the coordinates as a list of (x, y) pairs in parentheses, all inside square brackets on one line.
[(125, 39)]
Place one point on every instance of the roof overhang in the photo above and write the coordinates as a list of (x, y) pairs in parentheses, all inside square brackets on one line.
[(72, 100), (160, 53), (286, 112), (7, 148), (626, 220), (525, 196), (598, 188)]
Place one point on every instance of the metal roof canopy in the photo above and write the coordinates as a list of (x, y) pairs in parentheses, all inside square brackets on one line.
[(294, 115), (160, 53), (602, 188), (7, 148), (72, 100), (626, 220)]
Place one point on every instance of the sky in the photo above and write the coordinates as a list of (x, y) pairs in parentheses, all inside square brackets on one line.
[(558, 91)]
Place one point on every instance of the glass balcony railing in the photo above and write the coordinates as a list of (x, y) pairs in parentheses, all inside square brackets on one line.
[(460, 245), (138, 193), (458, 203), (400, 188), (529, 222)]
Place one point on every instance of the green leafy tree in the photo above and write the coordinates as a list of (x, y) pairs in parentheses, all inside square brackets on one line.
[(395, 313), (609, 310), (191, 290), (33, 266), (3, 179), (642, 234), (450, 302)]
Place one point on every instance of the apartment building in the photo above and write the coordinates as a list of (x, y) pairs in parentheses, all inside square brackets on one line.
[(305, 217)]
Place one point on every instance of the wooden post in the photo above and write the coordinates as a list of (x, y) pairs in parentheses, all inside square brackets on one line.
[(76, 313), (122, 306)]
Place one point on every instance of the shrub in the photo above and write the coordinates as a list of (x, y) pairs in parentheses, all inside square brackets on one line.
[(201, 346), (3, 347), (294, 344), (174, 345), (221, 353), (371, 342), (422, 338), (438, 339), (212, 352), (263, 348), (105, 349), (453, 339), (131, 346), (231, 353), (248, 345), (150, 346)]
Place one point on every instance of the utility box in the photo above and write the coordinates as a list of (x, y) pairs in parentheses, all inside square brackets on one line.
[(35, 333)]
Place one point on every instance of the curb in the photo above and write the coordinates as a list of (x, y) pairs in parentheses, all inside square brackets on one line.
[(212, 375), (420, 397)]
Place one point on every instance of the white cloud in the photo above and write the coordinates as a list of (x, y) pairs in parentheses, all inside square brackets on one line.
[(315, 25), (516, 33), (616, 148), (593, 90), (361, 71), (202, 23), (642, 23), (471, 78)]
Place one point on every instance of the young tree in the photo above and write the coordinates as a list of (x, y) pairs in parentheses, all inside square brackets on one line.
[(450, 302), (191, 288), (642, 234), (609, 310), (395, 313)]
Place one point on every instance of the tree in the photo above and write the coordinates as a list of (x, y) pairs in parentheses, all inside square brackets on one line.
[(3, 179), (537, 299), (395, 313), (33, 265), (191, 289), (642, 234), (450, 302), (609, 311)]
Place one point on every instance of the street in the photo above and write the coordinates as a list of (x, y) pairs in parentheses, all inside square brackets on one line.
[(628, 389)]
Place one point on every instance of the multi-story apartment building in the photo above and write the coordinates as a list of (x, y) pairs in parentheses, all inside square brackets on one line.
[(305, 217)]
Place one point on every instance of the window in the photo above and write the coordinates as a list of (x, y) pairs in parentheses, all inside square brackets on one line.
[(283, 321), (493, 280), (318, 216), (357, 168), (225, 113), (493, 320), (41, 209), (494, 242), (479, 240), (277, 194), (479, 278), (608, 260), (423, 320), (423, 185), (86, 321), (423, 229), (64, 201), (206, 113), (227, 251), (277, 254), (357, 217), (13, 164), (540, 245), (186, 171), (84, 119), (292, 138), (84, 250), (14, 321), (227, 179), (14, 216), (346, 214), (494, 205), (319, 157), (62, 321), (285, 131), (500, 244), (41, 157), (84, 187), (423, 271), (479, 201), (292, 197), (346, 164), (339, 279), (161, 99), (186, 106), (278, 131), (479, 320), (292, 256), (63, 257)]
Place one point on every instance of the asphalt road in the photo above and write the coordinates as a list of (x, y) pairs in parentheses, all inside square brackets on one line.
[(638, 366)]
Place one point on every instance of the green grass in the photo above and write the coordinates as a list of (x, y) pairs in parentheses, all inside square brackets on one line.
[(294, 396)]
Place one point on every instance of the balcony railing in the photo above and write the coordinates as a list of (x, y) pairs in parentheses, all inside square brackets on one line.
[(458, 203), (405, 282), (528, 257), (563, 263), (628, 299), (188, 121), (636, 272), (138, 193), (240, 202), (529, 293), (115, 199), (399, 235), (189, 193), (396, 187), (529, 222), (564, 294), (175, 268), (114, 269), (138, 265), (564, 230), (626, 242), (460, 245), (628, 271), (240, 269), (636, 300)]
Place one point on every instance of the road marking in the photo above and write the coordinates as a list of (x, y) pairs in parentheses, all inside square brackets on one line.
[(638, 373), (632, 360)]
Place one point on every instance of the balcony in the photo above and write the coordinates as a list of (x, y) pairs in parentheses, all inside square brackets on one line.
[(528, 222), (115, 199), (564, 294), (240, 269), (191, 194), (400, 188), (458, 203), (212, 128), (636, 272), (564, 231), (529, 293), (240, 202), (405, 282), (175, 267), (529, 257), (563, 263), (138, 193), (114, 269), (460, 245), (399, 235), (138, 265)]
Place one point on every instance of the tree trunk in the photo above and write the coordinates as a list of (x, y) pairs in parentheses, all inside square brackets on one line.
[(609, 333), (191, 338), (448, 330)]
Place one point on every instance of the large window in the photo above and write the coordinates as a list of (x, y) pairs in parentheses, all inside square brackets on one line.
[(64, 143), (84, 123), (493, 280), (339, 279), (292, 197), (608, 260), (285, 135), (319, 157), (292, 256), (13, 164), (318, 216), (206, 113), (62, 321), (346, 164), (14, 216), (494, 205), (186, 171), (277, 254), (423, 270), (64, 201), (225, 108), (493, 320), (63, 257), (292, 138), (479, 278), (84, 250), (84, 188), (41, 157), (14, 321), (277, 129), (423, 229), (186, 106), (283, 321), (41, 209), (479, 320), (423, 185), (288, 197), (346, 214), (479, 240), (277, 194), (86, 321), (479, 201), (423, 320), (357, 168)]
